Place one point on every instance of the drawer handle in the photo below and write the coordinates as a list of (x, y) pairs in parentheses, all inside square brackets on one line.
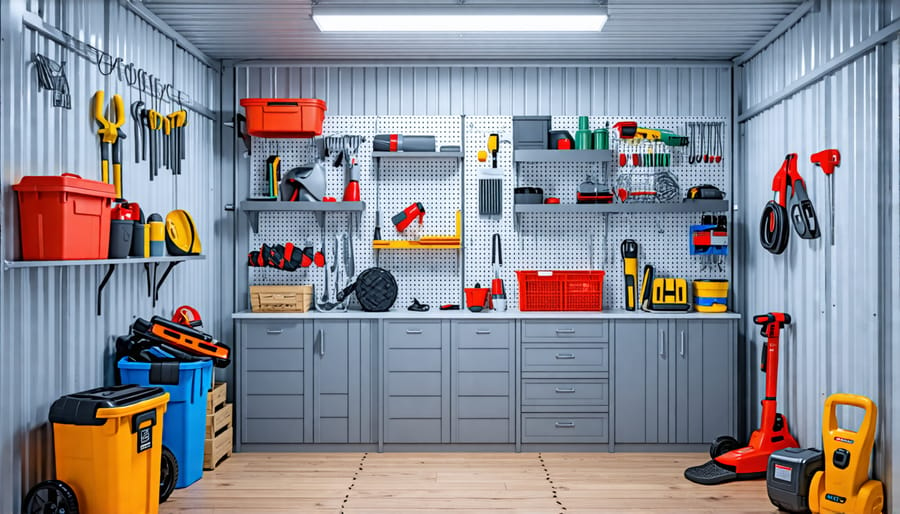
[(483, 332), (565, 424), (273, 332), (565, 356), (565, 389), (414, 332), (565, 330)]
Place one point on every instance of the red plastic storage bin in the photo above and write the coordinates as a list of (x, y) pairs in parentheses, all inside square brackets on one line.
[(284, 117), (64, 217), (560, 290)]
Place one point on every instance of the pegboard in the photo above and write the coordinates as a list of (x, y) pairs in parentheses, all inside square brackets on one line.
[(431, 276), (580, 241)]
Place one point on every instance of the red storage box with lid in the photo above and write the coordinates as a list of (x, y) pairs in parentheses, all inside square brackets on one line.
[(64, 217), (560, 290), (284, 117)]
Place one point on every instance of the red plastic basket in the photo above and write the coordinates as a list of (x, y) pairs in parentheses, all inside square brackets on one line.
[(560, 290), (284, 117)]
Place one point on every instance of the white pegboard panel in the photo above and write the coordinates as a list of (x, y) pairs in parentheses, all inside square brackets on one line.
[(432, 276), (581, 241)]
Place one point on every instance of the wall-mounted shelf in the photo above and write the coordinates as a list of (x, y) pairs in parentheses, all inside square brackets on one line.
[(447, 242), (562, 156), (253, 207), (153, 285), (615, 208), (417, 155)]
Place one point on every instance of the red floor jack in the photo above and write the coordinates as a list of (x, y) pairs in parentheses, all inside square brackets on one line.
[(731, 462)]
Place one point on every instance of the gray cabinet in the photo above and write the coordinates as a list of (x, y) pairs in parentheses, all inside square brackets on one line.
[(483, 382), (565, 381), (674, 380), (416, 381)]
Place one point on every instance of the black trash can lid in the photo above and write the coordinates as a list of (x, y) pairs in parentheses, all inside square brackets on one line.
[(81, 408)]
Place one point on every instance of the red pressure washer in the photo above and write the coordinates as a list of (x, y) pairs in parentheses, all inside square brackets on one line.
[(731, 462)]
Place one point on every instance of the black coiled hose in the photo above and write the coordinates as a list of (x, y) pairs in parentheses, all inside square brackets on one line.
[(774, 228)]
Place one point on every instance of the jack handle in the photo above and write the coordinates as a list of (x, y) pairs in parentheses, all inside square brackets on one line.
[(828, 160), (772, 322)]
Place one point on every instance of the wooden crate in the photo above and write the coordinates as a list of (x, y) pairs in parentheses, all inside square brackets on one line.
[(218, 449), (218, 420), (281, 298), (216, 397)]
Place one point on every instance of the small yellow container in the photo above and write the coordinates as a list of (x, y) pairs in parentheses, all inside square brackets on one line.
[(108, 447), (711, 295)]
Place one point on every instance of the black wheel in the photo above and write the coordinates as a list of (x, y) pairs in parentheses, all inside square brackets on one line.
[(722, 445), (50, 497), (168, 474)]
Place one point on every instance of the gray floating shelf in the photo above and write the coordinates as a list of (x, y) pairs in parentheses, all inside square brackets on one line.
[(100, 262), (418, 155), (562, 156), (253, 207), (615, 208)]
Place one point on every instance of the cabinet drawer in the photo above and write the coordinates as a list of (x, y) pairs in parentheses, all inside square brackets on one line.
[(412, 430), (274, 359), (560, 392), (483, 359), (286, 431), (273, 406), (584, 358), (413, 335), (483, 407), (579, 330), (274, 382), (481, 334), (413, 407), (483, 431), (273, 335), (413, 384), (482, 384), (565, 428), (417, 359)]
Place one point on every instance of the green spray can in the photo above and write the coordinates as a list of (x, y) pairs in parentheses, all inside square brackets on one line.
[(583, 136), (601, 138)]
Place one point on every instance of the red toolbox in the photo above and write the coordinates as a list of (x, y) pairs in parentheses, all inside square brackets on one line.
[(284, 117), (64, 217), (560, 290)]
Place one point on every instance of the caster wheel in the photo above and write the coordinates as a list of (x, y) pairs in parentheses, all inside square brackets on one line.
[(168, 474), (722, 445), (50, 497)]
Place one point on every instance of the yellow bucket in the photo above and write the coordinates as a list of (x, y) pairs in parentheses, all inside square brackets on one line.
[(711, 295)]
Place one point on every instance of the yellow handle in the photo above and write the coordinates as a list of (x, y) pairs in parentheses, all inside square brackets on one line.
[(104, 171), (98, 109), (493, 142), (119, 106), (167, 125), (155, 119), (117, 179), (853, 400), (119, 412)]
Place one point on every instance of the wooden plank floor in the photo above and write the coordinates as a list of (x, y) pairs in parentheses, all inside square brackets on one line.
[(567, 483)]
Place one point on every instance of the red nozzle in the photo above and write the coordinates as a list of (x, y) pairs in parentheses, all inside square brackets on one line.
[(828, 160), (627, 129)]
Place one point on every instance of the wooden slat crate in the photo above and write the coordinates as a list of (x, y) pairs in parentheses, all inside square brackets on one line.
[(219, 433), (218, 420), (216, 397), (218, 449)]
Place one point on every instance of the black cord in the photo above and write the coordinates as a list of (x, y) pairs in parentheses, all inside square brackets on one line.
[(774, 228)]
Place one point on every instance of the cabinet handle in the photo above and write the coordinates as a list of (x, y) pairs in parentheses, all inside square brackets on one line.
[(662, 344), (681, 344), (565, 389), (414, 332), (565, 356), (565, 330), (483, 332), (565, 424), (321, 343), (273, 332)]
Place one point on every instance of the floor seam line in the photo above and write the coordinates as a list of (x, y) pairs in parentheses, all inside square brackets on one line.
[(359, 468), (553, 489)]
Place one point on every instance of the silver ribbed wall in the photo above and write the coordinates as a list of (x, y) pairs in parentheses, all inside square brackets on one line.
[(838, 295), (51, 341)]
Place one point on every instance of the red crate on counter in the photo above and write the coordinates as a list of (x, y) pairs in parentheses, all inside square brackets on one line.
[(560, 290), (284, 117)]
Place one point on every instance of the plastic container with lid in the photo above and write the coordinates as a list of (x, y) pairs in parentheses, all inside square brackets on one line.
[(108, 447), (64, 217), (284, 117)]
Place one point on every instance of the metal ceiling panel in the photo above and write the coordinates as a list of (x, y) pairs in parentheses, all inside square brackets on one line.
[(651, 29)]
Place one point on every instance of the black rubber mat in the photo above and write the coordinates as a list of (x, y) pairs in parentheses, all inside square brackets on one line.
[(710, 473)]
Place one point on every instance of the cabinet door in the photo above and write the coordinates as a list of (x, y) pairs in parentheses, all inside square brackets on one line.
[(482, 363), (702, 401), (336, 399), (641, 381), (272, 381)]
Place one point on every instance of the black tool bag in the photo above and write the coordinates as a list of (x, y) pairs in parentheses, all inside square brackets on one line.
[(375, 289)]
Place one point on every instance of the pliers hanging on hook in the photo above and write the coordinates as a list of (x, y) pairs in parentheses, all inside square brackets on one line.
[(110, 133)]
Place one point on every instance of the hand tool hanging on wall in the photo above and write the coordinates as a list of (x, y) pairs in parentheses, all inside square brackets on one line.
[(493, 145), (629, 258), (155, 125), (110, 134), (351, 166), (828, 160), (790, 191), (401, 220), (177, 121), (140, 144), (273, 175), (498, 290)]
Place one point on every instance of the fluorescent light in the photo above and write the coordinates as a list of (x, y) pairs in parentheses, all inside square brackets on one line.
[(459, 19)]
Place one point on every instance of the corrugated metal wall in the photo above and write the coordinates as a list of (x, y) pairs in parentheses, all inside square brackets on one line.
[(51, 341), (702, 90), (838, 340)]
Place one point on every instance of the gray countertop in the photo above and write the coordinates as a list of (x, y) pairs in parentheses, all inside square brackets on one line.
[(465, 314)]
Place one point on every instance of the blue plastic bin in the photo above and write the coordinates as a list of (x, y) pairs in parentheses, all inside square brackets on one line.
[(184, 426)]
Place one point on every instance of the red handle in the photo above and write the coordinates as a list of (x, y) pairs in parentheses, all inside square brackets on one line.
[(70, 175)]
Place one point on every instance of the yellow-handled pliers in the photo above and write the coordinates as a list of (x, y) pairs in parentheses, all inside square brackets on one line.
[(110, 132)]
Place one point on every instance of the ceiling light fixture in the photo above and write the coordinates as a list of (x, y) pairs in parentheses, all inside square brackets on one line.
[(462, 18)]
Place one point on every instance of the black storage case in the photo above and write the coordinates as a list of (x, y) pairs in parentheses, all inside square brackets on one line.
[(788, 476), (530, 132)]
